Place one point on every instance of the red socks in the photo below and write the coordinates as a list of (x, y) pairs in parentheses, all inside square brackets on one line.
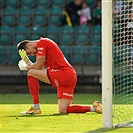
[(78, 109), (34, 87)]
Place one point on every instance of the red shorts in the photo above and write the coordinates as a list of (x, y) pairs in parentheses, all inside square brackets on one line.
[(65, 79)]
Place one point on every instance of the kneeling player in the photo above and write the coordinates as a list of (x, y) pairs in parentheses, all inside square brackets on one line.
[(50, 67)]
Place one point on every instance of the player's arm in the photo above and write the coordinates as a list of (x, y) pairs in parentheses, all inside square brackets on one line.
[(27, 61), (39, 64)]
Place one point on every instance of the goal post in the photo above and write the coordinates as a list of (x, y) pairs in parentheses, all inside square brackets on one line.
[(107, 63), (117, 63)]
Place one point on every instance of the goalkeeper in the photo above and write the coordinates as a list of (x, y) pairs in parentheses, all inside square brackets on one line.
[(50, 67)]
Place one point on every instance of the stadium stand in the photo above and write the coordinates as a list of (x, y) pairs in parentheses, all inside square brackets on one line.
[(67, 29), (77, 55), (54, 20), (96, 29), (19, 34), (55, 14), (2, 3), (24, 16), (59, 3), (91, 3), (65, 50), (13, 56), (82, 39), (39, 16), (66, 35), (82, 35), (51, 32), (44, 3), (13, 3), (96, 35), (82, 29), (9, 16), (6, 36), (66, 39), (96, 39), (28, 3), (34, 32), (3, 55), (30, 19), (93, 54)]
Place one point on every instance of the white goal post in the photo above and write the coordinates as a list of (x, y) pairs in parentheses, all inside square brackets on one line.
[(107, 87)]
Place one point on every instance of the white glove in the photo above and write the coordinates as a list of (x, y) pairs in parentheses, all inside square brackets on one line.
[(22, 65)]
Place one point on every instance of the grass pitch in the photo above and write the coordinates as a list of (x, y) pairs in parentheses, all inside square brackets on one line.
[(50, 121)]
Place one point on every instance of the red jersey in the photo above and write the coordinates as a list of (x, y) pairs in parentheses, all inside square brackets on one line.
[(54, 56), (59, 72)]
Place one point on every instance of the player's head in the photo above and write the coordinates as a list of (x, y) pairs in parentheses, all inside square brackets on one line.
[(78, 2), (22, 45), (84, 5), (28, 46)]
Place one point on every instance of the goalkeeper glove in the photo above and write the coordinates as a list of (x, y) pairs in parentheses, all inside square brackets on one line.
[(23, 55), (22, 65)]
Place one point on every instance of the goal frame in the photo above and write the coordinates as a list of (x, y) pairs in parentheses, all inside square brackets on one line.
[(107, 84)]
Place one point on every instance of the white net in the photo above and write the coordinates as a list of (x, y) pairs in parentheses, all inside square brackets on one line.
[(123, 62)]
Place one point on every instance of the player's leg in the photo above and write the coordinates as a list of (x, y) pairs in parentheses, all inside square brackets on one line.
[(33, 84), (67, 82), (39, 74), (63, 103), (65, 95), (64, 107)]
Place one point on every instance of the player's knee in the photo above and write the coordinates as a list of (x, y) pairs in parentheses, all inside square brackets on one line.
[(62, 110), (30, 72)]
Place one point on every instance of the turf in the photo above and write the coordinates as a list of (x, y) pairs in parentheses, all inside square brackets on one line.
[(50, 121)]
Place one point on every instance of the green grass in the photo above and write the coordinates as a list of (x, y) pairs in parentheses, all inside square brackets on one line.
[(50, 121)]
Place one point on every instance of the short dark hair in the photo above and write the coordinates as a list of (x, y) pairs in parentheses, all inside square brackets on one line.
[(22, 44)]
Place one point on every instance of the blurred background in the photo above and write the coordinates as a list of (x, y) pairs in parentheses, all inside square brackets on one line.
[(75, 25)]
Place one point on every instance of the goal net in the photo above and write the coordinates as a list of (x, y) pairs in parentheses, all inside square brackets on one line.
[(122, 62)]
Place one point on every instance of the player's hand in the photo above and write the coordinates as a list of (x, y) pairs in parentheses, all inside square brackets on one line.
[(22, 65), (22, 53)]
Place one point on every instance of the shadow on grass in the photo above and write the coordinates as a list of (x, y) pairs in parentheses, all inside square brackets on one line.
[(33, 115), (102, 130)]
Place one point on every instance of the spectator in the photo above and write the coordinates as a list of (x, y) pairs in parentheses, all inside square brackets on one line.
[(117, 11), (70, 16), (85, 14), (124, 23), (117, 8), (97, 13)]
